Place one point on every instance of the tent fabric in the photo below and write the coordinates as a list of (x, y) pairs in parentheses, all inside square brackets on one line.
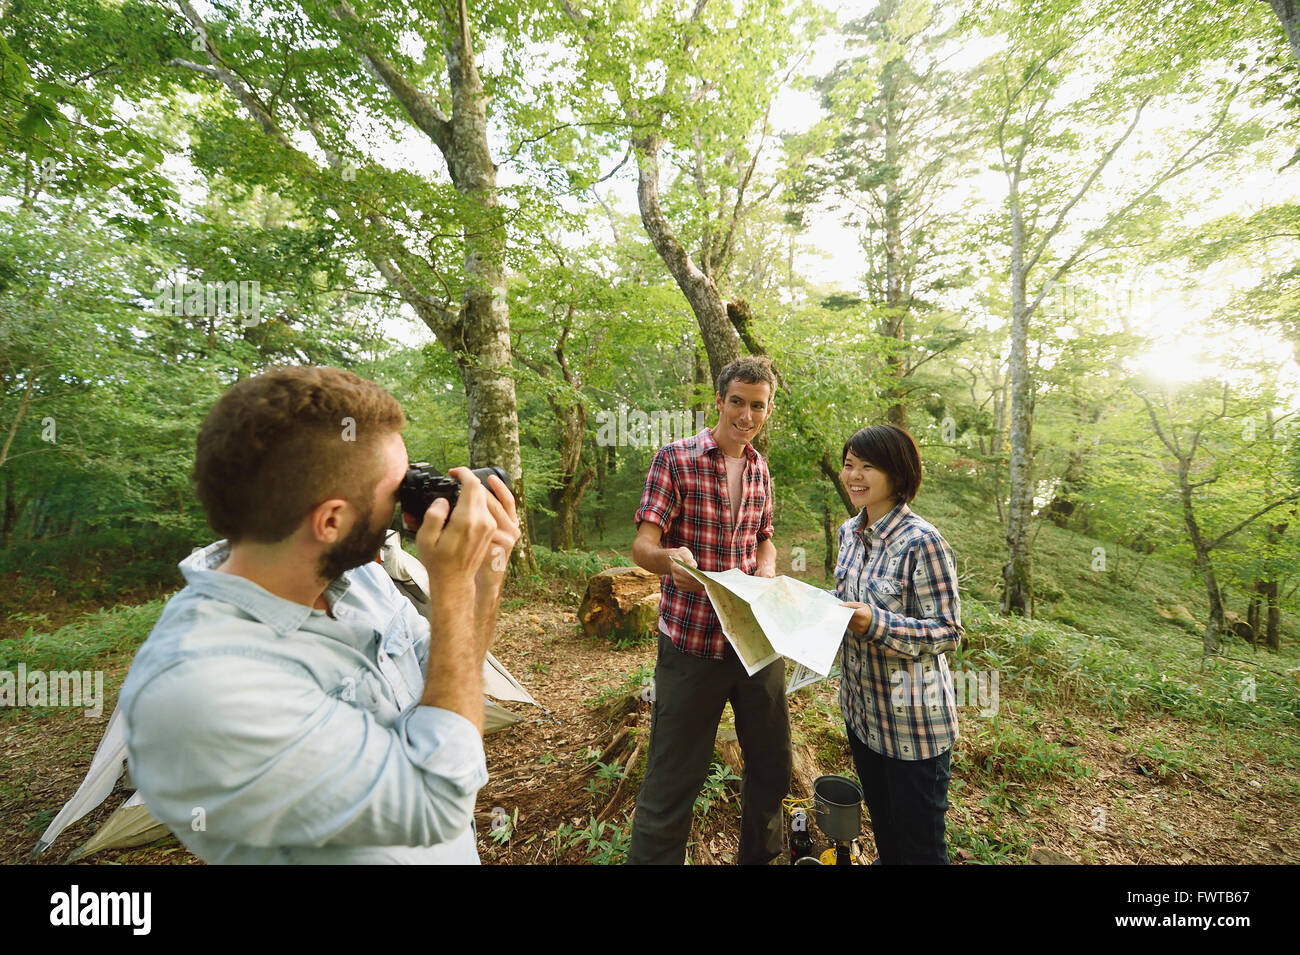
[(498, 683), (132, 825), (497, 717), (105, 769)]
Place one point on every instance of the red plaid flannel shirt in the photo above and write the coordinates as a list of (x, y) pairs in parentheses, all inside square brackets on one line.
[(686, 495)]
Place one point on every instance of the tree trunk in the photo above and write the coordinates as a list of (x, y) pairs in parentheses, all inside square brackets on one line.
[(1215, 625), (1269, 590), (1002, 385), (1264, 614), (1204, 565), (1017, 592), (574, 478), (1272, 628), (18, 416), (895, 306), (602, 472), (571, 424), (489, 384), (1062, 506), (831, 556), (1253, 614), (1288, 12), (720, 339), (40, 520), (9, 517), (700, 378)]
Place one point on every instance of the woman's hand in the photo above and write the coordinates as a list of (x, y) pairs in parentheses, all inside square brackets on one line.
[(862, 617)]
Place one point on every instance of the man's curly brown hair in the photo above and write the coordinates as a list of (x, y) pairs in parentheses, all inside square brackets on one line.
[(276, 445), (751, 369)]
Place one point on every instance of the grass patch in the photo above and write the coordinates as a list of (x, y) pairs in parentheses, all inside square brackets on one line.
[(634, 682), (1005, 749), (95, 641)]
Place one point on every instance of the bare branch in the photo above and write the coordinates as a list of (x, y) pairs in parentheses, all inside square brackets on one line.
[(1155, 423), (724, 252), (1086, 185), (661, 234), (621, 163), (218, 71), (423, 112), (441, 319), (1242, 523), (1177, 168), (529, 140)]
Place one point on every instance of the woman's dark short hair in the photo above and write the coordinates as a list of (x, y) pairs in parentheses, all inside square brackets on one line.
[(889, 448)]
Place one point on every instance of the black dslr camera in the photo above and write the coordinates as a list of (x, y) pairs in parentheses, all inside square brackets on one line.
[(423, 485)]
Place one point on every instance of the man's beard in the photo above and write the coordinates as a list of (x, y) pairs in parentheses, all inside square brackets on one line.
[(359, 547)]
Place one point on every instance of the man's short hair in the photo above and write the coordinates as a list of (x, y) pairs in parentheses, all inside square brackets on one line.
[(890, 449), (751, 369), (276, 445)]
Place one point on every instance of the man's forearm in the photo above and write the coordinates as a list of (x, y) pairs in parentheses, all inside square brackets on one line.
[(455, 676), (487, 599), (767, 558), (653, 557)]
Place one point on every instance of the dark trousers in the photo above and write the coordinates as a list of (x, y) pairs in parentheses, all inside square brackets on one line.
[(906, 800), (690, 693)]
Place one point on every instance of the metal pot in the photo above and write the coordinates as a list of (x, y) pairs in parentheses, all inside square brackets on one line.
[(837, 806)]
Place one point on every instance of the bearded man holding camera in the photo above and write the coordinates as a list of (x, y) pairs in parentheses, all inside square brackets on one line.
[(290, 705)]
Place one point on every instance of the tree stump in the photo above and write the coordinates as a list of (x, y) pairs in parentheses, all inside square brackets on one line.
[(621, 604), (1238, 625), (804, 769), (728, 747)]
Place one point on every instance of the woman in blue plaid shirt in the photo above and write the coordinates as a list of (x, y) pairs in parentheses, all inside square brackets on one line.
[(896, 691)]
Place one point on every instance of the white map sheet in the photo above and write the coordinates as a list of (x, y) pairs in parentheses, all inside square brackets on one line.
[(765, 618)]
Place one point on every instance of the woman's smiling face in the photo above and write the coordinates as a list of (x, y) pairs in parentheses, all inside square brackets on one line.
[(867, 486)]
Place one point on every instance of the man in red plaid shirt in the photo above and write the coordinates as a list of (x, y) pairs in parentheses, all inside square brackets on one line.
[(708, 502)]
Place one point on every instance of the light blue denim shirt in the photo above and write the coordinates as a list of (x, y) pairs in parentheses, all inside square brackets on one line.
[(263, 731)]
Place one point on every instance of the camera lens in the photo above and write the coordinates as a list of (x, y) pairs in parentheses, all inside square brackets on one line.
[(423, 485), (484, 473)]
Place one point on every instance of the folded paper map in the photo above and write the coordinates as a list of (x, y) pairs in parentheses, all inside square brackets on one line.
[(765, 618)]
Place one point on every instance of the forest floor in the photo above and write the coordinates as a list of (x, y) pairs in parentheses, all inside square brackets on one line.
[(1088, 754)]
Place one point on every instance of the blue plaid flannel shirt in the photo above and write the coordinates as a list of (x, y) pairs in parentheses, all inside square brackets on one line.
[(896, 691)]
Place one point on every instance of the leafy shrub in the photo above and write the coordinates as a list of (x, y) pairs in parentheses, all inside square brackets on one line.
[(83, 644), (98, 565), (575, 565)]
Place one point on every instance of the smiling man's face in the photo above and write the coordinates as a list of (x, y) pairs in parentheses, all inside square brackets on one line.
[(742, 411)]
